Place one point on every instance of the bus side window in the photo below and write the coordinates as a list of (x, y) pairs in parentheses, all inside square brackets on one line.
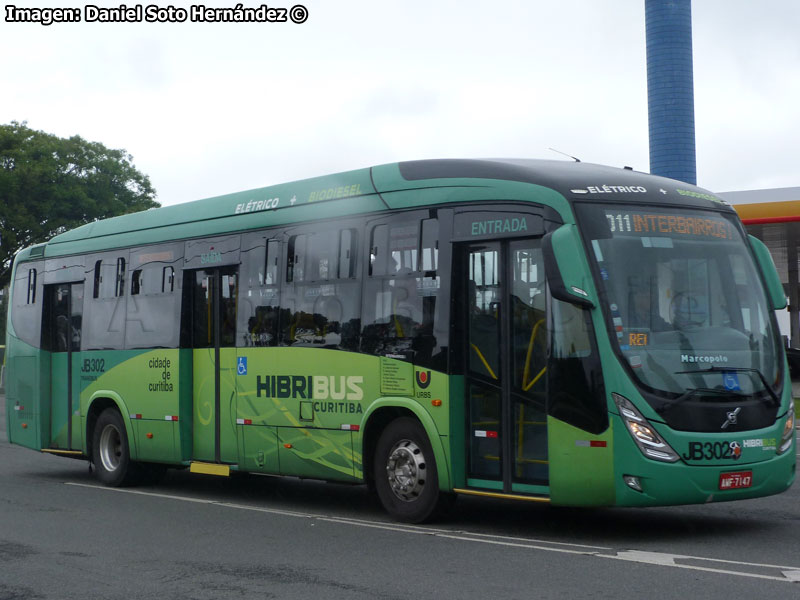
[(322, 256), (104, 323), (136, 283), (296, 258), (31, 287), (152, 280), (574, 370), (119, 288), (400, 293), (153, 309), (259, 298), (167, 280), (379, 249), (322, 308), (347, 253), (430, 244), (25, 306), (105, 280), (98, 278), (271, 261)]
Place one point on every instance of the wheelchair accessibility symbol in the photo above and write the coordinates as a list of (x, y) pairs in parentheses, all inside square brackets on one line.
[(731, 381), (241, 365)]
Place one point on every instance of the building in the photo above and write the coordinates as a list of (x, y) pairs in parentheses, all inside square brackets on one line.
[(773, 216)]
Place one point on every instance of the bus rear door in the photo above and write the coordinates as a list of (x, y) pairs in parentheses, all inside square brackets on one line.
[(213, 301), (63, 324)]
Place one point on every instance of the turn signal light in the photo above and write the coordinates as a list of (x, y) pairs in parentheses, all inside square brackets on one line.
[(436, 402), (788, 431)]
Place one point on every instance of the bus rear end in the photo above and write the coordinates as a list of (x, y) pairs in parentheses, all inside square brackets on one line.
[(26, 381)]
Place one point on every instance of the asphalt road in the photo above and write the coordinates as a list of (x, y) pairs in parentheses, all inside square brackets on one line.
[(195, 537)]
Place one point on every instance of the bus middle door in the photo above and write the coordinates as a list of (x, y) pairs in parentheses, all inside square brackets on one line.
[(213, 301)]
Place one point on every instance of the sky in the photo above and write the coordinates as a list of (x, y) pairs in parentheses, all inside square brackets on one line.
[(211, 108)]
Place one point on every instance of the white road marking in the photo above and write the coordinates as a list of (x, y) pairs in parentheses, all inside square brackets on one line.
[(653, 558), (785, 574), (668, 560)]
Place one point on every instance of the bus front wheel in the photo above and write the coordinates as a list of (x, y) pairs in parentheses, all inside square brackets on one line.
[(406, 478), (110, 452)]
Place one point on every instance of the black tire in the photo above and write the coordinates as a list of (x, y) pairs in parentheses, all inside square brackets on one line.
[(406, 478), (110, 453)]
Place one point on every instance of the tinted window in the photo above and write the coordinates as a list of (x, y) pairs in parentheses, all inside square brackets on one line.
[(575, 381), (153, 309), (26, 309), (400, 295), (259, 297), (104, 325), (104, 276), (31, 298), (320, 301)]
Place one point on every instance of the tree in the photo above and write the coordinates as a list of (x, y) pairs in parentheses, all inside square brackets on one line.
[(3, 312), (50, 184)]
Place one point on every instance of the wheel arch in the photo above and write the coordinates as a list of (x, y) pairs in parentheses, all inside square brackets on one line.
[(98, 402), (385, 410)]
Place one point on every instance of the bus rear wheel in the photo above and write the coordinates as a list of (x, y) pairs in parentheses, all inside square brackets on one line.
[(406, 478), (110, 451)]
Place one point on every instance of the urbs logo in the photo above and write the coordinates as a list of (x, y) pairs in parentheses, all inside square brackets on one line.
[(423, 379)]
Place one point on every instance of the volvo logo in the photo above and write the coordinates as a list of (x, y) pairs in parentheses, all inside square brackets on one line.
[(731, 418)]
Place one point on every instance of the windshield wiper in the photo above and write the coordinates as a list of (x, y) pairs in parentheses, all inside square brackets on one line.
[(715, 369), (691, 393)]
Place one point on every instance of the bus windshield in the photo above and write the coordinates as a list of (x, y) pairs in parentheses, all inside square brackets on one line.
[(687, 310)]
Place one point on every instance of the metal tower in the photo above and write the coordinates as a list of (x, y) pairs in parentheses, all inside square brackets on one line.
[(670, 89)]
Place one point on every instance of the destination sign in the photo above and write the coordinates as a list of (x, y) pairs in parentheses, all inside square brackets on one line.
[(669, 224)]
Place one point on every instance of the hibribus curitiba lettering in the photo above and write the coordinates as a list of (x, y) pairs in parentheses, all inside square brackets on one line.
[(315, 387)]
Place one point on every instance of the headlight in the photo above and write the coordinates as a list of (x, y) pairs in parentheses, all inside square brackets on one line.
[(788, 431), (646, 437)]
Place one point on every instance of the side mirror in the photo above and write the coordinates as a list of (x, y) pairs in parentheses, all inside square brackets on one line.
[(565, 266), (775, 292)]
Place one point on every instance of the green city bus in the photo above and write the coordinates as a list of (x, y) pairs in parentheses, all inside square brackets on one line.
[(547, 331)]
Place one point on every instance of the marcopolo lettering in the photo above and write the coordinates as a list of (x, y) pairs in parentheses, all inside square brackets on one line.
[(311, 387), (698, 358)]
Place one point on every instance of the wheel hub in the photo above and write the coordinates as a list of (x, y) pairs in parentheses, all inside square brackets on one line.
[(110, 448), (406, 470)]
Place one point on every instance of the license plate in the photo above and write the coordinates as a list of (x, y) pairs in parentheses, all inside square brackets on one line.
[(735, 481)]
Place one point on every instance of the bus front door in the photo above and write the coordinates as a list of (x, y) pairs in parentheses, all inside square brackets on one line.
[(213, 300), (505, 342), (63, 322)]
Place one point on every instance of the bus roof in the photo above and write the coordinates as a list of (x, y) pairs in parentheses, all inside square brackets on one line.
[(391, 186)]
